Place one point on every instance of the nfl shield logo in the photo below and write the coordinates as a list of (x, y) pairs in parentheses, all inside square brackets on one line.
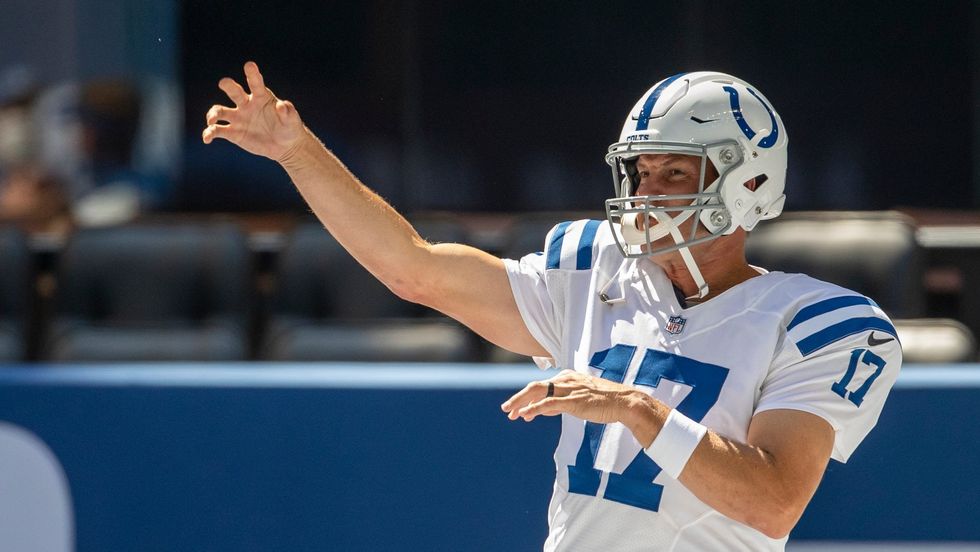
[(675, 324)]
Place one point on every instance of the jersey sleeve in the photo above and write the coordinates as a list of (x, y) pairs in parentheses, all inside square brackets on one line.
[(542, 281), (838, 359)]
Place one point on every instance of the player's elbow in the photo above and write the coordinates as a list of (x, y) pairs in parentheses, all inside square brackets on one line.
[(407, 280), (415, 288), (421, 285), (407, 289), (413, 278)]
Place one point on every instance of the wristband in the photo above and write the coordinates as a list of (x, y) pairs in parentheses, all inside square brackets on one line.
[(675, 443)]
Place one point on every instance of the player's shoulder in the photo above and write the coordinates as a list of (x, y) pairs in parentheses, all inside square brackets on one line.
[(817, 314), (577, 245)]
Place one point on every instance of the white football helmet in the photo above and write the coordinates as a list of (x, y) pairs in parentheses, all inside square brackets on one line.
[(716, 117)]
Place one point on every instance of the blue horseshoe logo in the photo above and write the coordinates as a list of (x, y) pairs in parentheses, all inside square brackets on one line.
[(766, 142)]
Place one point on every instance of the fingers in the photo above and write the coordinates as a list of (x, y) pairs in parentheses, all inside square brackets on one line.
[(537, 390), (234, 91), (215, 131), (533, 391), (549, 406), (219, 113), (256, 84)]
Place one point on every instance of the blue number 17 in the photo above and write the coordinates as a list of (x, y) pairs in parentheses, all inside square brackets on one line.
[(635, 486)]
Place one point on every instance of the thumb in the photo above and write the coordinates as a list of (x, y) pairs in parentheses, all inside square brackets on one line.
[(286, 112)]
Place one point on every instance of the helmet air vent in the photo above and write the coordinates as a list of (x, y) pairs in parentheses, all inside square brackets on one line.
[(665, 103)]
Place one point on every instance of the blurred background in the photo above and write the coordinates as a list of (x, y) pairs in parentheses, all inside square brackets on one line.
[(126, 240)]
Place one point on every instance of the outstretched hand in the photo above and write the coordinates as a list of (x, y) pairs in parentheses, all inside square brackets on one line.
[(260, 123)]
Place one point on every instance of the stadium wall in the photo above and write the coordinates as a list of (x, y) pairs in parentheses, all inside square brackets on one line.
[(408, 457)]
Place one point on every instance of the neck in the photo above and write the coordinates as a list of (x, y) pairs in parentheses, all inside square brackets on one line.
[(721, 265)]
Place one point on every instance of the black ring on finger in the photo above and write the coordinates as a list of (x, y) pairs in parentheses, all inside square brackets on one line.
[(551, 389)]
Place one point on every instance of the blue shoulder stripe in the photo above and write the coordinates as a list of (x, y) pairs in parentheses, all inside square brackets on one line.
[(554, 246), (827, 305), (841, 330), (584, 259)]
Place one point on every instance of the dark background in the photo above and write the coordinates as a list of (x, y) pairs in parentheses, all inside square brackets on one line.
[(510, 105)]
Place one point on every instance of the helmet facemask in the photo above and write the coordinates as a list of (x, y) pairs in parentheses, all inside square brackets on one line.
[(642, 221)]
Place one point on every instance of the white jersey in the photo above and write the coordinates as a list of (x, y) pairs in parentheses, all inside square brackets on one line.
[(776, 341)]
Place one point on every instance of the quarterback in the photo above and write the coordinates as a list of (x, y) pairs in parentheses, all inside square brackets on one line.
[(701, 397)]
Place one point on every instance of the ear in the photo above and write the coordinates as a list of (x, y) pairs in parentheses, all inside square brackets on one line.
[(750, 185)]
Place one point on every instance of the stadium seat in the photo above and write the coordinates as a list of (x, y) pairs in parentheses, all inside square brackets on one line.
[(952, 253), (873, 253), (935, 340), (15, 293), (327, 307), (177, 292)]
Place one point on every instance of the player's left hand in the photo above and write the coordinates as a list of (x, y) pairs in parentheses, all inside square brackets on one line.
[(581, 395)]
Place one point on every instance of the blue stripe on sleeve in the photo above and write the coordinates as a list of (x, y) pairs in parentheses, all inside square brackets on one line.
[(554, 246), (584, 259), (841, 330), (826, 306)]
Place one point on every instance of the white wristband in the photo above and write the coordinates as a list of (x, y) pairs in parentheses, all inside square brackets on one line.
[(675, 443)]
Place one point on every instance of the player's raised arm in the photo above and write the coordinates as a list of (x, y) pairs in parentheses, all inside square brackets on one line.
[(463, 282)]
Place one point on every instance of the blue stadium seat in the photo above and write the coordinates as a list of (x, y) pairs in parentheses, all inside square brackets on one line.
[(176, 292), (327, 307), (15, 293)]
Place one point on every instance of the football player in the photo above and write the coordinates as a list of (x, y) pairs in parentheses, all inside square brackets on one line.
[(701, 397)]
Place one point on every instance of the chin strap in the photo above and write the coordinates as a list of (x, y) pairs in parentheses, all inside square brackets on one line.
[(632, 235), (692, 266)]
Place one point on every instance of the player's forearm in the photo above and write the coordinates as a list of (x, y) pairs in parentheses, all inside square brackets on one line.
[(747, 484), (741, 481), (368, 227)]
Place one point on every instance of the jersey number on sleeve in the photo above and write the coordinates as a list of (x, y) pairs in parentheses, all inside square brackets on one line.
[(866, 357), (635, 486)]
